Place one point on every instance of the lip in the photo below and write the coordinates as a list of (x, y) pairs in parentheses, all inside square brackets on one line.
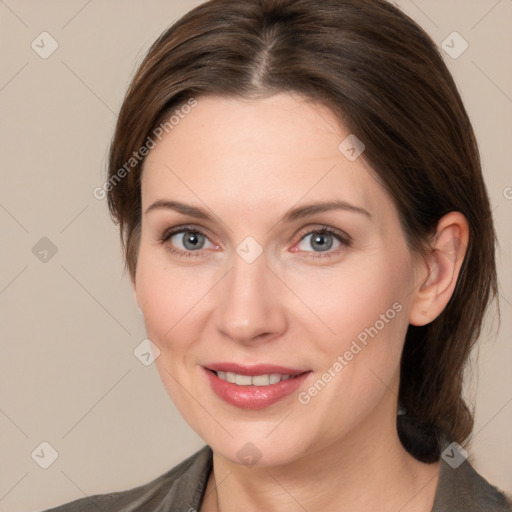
[(254, 397)]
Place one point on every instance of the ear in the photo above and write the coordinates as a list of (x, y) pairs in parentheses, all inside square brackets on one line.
[(439, 269)]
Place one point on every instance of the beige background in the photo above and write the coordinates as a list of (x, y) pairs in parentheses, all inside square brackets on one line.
[(68, 375)]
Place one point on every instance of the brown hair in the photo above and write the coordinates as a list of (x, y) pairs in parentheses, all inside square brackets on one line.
[(385, 79)]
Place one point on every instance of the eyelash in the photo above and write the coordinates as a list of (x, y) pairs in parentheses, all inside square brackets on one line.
[(343, 238)]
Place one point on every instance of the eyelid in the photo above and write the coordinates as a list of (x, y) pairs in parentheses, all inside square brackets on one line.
[(168, 233), (323, 228)]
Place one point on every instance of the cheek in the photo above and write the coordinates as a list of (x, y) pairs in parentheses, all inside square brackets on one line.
[(165, 295), (364, 316), (364, 293), (357, 362)]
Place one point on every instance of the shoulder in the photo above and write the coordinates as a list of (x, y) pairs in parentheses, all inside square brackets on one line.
[(462, 489), (181, 488), (459, 488)]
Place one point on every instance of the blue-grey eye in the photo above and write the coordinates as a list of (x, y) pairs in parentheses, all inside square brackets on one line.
[(190, 240), (320, 242)]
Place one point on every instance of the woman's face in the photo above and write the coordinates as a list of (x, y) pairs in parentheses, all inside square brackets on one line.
[(241, 273)]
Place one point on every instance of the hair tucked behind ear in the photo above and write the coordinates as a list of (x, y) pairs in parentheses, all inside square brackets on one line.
[(385, 79)]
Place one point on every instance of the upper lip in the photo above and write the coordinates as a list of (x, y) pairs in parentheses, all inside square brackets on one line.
[(257, 369)]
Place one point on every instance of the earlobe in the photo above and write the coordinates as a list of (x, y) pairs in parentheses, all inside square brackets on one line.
[(440, 269)]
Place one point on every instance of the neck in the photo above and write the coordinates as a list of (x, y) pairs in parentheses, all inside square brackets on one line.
[(365, 470)]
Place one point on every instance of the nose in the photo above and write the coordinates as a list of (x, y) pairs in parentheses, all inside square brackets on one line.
[(251, 305)]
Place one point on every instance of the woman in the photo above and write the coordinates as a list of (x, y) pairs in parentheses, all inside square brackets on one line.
[(305, 223)]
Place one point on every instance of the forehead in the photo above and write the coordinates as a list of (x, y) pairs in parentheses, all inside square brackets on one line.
[(252, 153)]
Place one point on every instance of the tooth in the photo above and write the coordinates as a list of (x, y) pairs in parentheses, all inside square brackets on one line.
[(261, 380), (256, 380), (243, 380), (275, 378)]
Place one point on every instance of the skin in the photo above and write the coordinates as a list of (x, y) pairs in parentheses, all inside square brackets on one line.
[(247, 162)]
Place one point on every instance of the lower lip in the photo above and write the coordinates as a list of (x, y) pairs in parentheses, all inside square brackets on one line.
[(254, 397)]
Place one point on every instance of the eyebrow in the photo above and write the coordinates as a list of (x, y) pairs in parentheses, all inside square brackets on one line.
[(291, 215)]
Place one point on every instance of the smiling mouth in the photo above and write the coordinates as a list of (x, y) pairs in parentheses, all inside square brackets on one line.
[(255, 386)]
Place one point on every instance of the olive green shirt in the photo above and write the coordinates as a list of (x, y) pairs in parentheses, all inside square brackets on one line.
[(182, 488)]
